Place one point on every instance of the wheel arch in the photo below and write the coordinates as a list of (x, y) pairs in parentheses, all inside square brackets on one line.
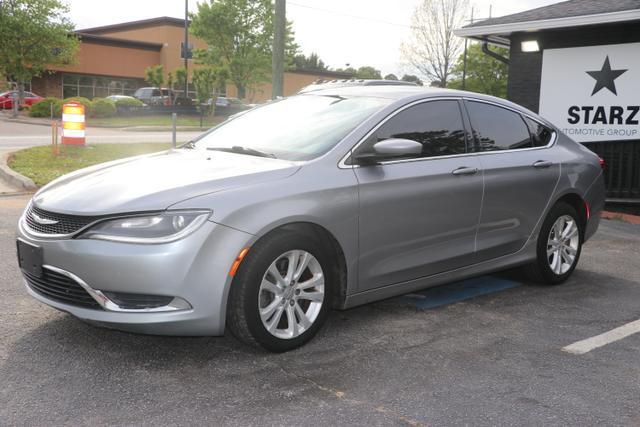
[(575, 200), (330, 243)]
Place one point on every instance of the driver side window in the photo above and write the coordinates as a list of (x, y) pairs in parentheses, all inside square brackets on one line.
[(437, 125)]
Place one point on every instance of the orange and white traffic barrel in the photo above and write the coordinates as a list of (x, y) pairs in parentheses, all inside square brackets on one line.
[(73, 124)]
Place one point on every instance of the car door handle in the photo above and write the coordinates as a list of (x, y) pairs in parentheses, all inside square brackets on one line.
[(542, 164), (464, 171)]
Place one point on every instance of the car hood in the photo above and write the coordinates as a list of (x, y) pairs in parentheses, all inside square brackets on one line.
[(156, 181)]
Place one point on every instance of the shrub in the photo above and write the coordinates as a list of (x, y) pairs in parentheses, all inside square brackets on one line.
[(43, 108), (124, 105), (101, 107), (84, 101), (128, 102)]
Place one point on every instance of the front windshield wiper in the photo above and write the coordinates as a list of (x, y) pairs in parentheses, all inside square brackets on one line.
[(243, 150), (189, 145)]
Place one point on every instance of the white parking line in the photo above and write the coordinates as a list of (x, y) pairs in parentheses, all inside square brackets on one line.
[(585, 346)]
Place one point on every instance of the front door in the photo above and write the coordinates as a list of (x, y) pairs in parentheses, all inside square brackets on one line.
[(419, 216)]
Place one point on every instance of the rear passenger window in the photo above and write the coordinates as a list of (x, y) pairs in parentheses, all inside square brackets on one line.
[(437, 125), (540, 135), (498, 128)]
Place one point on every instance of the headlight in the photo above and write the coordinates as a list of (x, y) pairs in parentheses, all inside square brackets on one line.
[(160, 228)]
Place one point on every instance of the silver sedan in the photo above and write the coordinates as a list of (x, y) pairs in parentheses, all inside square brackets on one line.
[(324, 200)]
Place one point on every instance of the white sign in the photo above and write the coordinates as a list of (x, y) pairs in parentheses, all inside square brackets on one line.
[(592, 93)]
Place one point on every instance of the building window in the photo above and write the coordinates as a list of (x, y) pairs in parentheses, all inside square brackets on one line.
[(97, 86)]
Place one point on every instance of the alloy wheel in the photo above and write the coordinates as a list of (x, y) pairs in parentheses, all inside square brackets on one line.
[(291, 294), (562, 244)]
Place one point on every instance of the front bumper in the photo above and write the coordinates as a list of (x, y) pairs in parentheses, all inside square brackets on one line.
[(193, 270)]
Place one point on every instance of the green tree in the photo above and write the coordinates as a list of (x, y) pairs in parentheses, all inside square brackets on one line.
[(181, 78), (239, 36), (311, 62), (154, 75), (180, 81), (412, 78), (207, 82), (391, 77), (34, 34), (368, 72), (349, 70), (484, 73), (170, 80)]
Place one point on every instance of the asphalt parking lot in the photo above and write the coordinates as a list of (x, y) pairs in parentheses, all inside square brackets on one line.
[(484, 352)]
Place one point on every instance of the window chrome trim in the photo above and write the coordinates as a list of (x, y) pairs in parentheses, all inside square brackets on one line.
[(104, 302), (342, 164)]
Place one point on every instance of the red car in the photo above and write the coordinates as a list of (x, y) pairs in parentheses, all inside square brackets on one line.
[(6, 99)]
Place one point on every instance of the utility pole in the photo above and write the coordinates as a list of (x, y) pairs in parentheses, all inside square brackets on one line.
[(186, 48), (280, 26), (464, 67)]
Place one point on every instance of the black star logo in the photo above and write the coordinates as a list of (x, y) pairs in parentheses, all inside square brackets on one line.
[(605, 77)]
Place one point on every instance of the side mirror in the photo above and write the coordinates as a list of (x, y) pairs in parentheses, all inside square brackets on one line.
[(389, 149)]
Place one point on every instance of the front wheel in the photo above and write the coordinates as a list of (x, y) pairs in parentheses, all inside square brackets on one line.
[(280, 296), (559, 246)]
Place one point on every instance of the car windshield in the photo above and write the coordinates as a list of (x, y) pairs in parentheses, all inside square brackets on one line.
[(297, 128)]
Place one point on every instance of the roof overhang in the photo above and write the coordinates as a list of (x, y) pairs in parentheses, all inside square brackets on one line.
[(499, 33), (112, 41)]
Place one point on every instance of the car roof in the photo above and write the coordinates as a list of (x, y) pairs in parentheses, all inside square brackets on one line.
[(328, 84), (389, 92), (415, 93)]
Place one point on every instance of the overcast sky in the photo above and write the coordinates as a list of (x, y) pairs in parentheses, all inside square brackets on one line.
[(356, 32)]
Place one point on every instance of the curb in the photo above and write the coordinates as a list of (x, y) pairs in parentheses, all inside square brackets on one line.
[(124, 128), (26, 122), (631, 219), (12, 177), (165, 128)]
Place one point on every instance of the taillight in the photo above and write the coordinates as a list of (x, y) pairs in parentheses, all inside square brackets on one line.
[(602, 163)]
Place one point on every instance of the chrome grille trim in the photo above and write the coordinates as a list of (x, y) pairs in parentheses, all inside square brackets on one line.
[(57, 225)]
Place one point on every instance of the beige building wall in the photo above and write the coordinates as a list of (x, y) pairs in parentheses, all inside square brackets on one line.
[(293, 82), (100, 59), (170, 35)]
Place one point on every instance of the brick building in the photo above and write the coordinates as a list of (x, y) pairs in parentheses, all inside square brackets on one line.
[(112, 60), (577, 63)]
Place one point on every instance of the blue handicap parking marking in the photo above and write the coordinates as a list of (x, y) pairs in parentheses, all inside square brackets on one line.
[(458, 291)]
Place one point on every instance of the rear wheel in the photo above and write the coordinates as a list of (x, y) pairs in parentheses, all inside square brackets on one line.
[(280, 296), (559, 246)]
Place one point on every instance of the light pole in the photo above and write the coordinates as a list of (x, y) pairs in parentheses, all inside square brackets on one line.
[(277, 59), (186, 48)]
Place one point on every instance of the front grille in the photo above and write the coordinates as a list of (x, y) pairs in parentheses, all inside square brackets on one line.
[(61, 288), (137, 301), (65, 224)]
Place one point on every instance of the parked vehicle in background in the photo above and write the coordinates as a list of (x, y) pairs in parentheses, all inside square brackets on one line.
[(125, 103), (226, 106), (334, 84), (331, 199), (156, 97), (116, 98), (6, 99)]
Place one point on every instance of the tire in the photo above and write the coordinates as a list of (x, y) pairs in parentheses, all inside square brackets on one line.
[(250, 293), (551, 266)]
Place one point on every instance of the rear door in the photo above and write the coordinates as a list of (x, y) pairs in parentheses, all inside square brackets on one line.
[(418, 216), (520, 175)]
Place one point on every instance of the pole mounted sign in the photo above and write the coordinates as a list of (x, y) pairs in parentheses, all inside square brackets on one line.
[(73, 124), (593, 93)]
